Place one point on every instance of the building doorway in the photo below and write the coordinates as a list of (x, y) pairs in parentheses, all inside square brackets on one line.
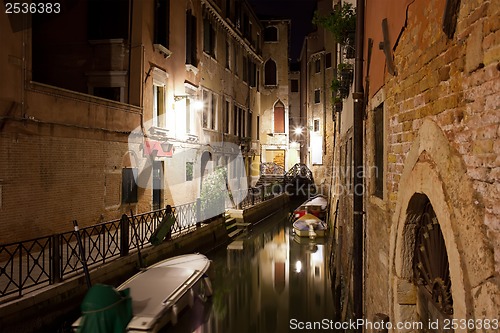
[(157, 184)]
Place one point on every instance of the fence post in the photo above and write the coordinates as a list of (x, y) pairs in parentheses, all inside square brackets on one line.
[(55, 260), (124, 235), (198, 212)]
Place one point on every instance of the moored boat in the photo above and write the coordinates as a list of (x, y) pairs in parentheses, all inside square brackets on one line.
[(309, 225), (157, 295), (316, 206)]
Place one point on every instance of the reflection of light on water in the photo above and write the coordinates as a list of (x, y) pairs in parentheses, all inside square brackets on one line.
[(317, 257), (298, 266)]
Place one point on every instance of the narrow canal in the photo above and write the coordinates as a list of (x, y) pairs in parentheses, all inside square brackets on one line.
[(266, 280)]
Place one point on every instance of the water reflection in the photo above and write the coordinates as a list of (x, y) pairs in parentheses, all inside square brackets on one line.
[(265, 282)]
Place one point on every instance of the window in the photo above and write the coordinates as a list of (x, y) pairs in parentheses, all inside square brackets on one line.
[(189, 171), (228, 8), (208, 38), (279, 117), (316, 125), (245, 69), (258, 127), (249, 124), (228, 52), (317, 96), (236, 120), (129, 186), (242, 123), (159, 105), (295, 85), (235, 59), (191, 39), (162, 24), (188, 116), (271, 34), (227, 109), (328, 60), (317, 66), (270, 73), (252, 74), (378, 123), (209, 117)]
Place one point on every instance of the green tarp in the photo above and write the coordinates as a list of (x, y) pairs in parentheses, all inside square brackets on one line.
[(163, 229), (105, 310)]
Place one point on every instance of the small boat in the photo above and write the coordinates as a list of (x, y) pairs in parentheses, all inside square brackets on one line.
[(309, 225), (316, 206), (157, 295)]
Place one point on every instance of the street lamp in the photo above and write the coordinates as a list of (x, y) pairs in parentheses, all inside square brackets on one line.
[(298, 130)]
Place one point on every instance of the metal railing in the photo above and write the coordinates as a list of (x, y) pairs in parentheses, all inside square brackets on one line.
[(32, 264), (255, 195)]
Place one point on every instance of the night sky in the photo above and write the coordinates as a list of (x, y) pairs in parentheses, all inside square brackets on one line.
[(299, 11)]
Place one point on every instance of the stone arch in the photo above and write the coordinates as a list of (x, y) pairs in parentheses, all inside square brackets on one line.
[(435, 169)]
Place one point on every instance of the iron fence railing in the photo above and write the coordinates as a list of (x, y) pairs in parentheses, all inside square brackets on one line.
[(32, 264), (255, 195)]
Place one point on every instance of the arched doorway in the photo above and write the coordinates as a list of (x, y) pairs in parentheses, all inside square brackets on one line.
[(431, 272), (204, 165)]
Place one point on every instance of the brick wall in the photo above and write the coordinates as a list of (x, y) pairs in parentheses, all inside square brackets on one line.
[(455, 83)]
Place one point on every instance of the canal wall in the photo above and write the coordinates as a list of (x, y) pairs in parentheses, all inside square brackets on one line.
[(41, 308), (260, 211)]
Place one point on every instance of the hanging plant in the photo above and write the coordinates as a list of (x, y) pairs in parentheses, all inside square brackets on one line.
[(345, 72), (341, 22)]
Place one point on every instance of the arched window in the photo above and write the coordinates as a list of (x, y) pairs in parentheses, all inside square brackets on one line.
[(270, 73), (279, 117), (271, 34)]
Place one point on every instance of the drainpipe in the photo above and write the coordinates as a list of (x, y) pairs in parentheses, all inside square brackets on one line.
[(358, 227)]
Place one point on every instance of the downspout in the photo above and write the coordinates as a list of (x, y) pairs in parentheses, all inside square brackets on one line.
[(324, 104), (358, 213)]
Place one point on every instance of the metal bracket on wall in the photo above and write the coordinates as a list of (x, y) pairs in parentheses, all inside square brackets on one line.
[(386, 47)]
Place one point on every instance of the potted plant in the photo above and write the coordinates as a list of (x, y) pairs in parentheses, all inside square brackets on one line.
[(341, 22)]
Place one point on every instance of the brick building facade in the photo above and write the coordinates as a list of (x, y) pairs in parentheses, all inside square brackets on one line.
[(431, 247)]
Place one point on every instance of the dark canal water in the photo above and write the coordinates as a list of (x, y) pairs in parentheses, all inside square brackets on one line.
[(267, 280)]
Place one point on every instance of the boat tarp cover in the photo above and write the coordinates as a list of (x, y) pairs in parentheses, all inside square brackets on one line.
[(105, 310)]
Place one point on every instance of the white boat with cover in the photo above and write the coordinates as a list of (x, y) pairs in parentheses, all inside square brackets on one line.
[(157, 295)]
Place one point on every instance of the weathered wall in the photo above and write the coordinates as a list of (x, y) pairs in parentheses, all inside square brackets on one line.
[(442, 139)]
